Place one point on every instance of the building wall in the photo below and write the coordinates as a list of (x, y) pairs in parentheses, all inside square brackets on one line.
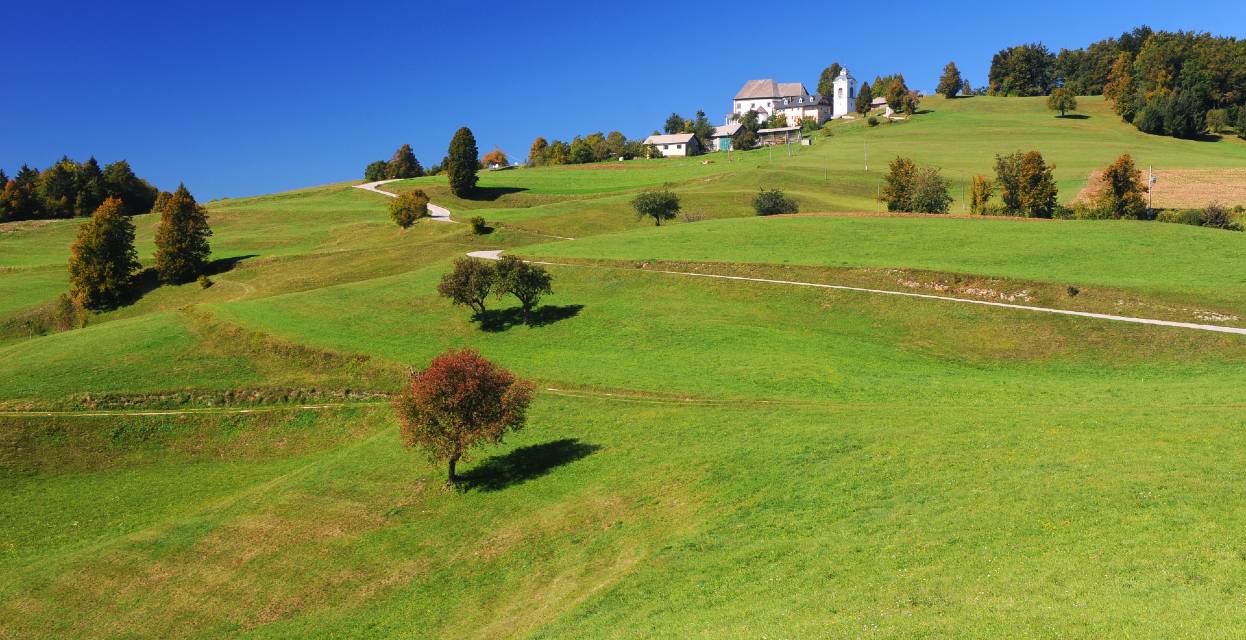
[(741, 107), (844, 93)]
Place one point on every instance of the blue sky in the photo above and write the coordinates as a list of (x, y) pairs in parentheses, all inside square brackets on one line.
[(235, 99)]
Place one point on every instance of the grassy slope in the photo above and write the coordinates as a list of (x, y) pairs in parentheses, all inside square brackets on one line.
[(827, 463)]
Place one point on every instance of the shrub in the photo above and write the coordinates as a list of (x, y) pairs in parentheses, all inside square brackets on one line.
[(872, 121), (660, 205), (1121, 193), (204, 282), (1181, 216), (769, 202), (408, 207), (479, 225), (980, 194), (1218, 216), (1073, 291)]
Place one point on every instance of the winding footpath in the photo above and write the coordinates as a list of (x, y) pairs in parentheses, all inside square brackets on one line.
[(496, 255), (435, 211)]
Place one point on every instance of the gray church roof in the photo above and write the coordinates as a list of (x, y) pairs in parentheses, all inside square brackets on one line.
[(768, 88)]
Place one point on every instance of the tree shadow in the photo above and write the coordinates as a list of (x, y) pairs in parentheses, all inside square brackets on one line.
[(525, 463), (489, 194), (223, 265), (1074, 116), (497, 320), (922, 112), (143, 283)]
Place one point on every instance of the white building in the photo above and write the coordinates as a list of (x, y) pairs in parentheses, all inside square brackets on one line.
[(675, 144), (793, 101)]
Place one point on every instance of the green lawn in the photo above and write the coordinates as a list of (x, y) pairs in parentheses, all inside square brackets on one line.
[(703, 459)]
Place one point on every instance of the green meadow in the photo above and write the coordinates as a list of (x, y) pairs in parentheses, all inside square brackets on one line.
[(704, 458)]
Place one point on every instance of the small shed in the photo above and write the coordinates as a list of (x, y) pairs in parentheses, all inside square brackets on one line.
[(723, 134), (675, 144), (779, 135)]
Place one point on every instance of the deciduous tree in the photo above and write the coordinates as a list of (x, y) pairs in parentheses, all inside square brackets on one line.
[(1062, 100), (1122, 191), (897, 188), (674, 124), (462, 162), (182, 249), (469, 283), (980, 192), (826, 82), (102, 259), (376, 171), (537, 152), (527, 282), (459, 402), (1026, 184), (930, 192), (495, 157), (660, 205)]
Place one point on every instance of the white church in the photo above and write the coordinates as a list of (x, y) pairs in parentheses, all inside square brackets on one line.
[(791, 99)]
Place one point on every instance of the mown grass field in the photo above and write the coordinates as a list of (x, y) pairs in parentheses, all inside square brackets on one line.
[(704, 458)]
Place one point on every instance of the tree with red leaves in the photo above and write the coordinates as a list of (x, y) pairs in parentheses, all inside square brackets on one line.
[(458, 402)]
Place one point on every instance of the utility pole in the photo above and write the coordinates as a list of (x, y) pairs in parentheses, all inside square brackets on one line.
[(1150, 185), (865, 143)]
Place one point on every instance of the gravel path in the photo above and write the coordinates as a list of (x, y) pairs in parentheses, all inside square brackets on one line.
[(496, 254), (435, 211)]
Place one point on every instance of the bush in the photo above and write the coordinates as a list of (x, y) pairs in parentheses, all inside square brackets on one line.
[(479, 225), (872, 121), (769, 202), (1181, 216), (1218, 216), (204, 282), (408, 207), (930, 192)]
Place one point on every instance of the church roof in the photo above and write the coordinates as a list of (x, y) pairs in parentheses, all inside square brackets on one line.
[(768, 88)]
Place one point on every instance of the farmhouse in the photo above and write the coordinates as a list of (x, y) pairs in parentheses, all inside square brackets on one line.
[(793, 101), (675, 144)]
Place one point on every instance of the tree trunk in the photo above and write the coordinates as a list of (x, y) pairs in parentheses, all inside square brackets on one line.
[(451, 478)]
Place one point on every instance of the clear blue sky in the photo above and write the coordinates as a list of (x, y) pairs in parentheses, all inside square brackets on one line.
[(236, 99)]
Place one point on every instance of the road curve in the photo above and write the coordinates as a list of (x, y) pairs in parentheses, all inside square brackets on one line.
[(435, 211), (496, 255)]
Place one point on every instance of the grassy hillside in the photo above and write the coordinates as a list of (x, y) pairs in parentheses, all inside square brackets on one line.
[(704, 458)]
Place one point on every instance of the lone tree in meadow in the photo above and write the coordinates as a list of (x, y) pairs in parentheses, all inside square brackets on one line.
[(1122, 193), (1062, 100), (461, 163), (182, 249), (950, 82), (102, 259), (459, 402), (527, 282), (660, 205), (769, 202), (865, 96), (1026, 184), (408, 208), (469, 283)]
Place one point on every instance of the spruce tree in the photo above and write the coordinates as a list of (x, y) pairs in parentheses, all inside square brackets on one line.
[(462, 162), (864, 97), (951, 81), (182, 249), (90, 188), (102, 260), (404, 164)]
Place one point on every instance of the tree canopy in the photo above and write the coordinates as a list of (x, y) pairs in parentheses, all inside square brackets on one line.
[(950, 83), (460, 401), (660, 205), (462, 162), (102, 259), (182, 249)]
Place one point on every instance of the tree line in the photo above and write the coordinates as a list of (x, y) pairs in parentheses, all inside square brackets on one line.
[(1178, 83), (594, 147), (461, 163), (69, 189)]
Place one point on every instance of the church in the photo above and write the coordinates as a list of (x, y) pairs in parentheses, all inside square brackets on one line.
[(793, 100)]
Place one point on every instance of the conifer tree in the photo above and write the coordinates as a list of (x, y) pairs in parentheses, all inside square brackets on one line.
[(182, 249), (864, 97), (403, 164), (462, 162), (90, 188), (102, 260), (951, 81)]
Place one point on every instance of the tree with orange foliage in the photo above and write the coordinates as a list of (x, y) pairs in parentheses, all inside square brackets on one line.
[(461, 400), (495, 157)]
